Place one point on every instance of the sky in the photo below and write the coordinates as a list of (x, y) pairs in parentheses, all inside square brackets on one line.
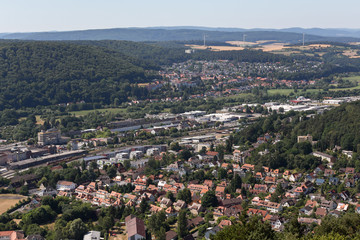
[(63, 15)]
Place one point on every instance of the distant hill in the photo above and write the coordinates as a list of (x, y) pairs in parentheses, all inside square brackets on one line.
[(325, 32), (175, 34), (45, 73)]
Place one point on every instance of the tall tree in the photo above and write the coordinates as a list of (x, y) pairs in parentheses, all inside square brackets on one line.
[(182, 229), (184, 195), (209, 200)]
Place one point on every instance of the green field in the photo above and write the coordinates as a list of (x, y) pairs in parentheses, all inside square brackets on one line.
[(105, 110), (355, 79), (287, 92), (342, 89)]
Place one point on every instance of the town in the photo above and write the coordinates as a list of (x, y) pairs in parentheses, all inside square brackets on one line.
[(174, 139), (200, 174)]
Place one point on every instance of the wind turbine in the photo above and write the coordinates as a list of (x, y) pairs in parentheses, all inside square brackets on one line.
[(204, 40), (244, 38), (303, 39)]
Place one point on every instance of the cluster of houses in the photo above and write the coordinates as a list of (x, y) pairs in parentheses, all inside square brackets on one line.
[(251, 199), (296, 185)]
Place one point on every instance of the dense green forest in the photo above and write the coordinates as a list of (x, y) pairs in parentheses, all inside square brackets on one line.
[(106, 72), (336, 127), (152, 53), (45, 73), (339, 126), (166, 54)]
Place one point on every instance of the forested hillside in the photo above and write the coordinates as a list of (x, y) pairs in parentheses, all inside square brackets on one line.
[(155, 53), (149, 34), (47, 73), (43, 73), (339, 126), (152, 53)]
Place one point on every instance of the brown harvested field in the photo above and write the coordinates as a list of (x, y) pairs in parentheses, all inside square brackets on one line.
[(279, 48), (240, 43), (319, 45), (273, 47), (351, 54), (286, 53), (9, 200), (265, 41), (39, 121), (226, 48)]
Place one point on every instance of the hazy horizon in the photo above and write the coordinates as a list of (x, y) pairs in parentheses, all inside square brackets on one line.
[(66, 15), (154, 27)]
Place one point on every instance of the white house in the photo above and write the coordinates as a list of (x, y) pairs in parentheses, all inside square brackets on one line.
[(136, 154), (65, 186), (92, 235), (153, 151)]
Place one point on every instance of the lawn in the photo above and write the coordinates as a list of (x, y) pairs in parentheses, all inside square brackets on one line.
[(353, 79), (108, 110), (289, 91), (342, 89), (280, 91), (299, 93), (9, 200), (39, 121)]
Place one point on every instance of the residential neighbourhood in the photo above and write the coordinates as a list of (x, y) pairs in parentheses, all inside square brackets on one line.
[(263, 191), (194, 174)]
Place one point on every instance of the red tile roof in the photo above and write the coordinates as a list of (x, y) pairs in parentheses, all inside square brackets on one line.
[(135, 226)]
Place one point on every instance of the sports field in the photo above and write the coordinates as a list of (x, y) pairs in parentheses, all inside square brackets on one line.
[(9, 200)]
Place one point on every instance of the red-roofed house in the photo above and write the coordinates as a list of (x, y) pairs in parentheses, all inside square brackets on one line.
[(212, 154), (135, 228), (248, 167), (224, 223), (220, 191), (11, 235)]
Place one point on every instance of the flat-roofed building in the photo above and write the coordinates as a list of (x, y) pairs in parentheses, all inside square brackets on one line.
[(51, 136)]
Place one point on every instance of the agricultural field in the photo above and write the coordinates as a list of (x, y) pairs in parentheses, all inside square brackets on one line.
[(355, 79), (351, 53), (342, 89), (9, 200), (242, 43), (273, 47), (240, 95), (105, 110), (289, 91), (283, 48)]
